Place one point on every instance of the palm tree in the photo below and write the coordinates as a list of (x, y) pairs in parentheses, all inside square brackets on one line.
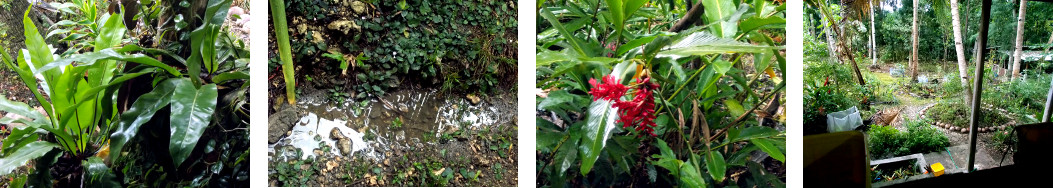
[(1019, 39), (844, 53)]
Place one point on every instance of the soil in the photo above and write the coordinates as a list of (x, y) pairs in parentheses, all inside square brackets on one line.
[(474, 145)]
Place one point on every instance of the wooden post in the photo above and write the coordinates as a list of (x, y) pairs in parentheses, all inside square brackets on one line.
[(974, 117)]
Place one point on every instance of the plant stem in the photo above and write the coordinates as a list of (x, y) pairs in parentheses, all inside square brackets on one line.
[(743, 116), (281, 29)]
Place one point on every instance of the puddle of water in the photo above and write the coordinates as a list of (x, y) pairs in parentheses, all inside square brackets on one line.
[(422, 113)]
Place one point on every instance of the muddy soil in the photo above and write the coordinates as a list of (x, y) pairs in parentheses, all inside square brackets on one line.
[(385, 141)]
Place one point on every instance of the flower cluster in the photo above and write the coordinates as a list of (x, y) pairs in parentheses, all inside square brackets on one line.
[(639, 111), (611, 89)]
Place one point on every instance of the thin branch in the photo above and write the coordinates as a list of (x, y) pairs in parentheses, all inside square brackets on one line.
[(743, 116)]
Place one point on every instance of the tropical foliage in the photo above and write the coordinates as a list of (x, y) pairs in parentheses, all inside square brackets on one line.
[(695, 88), (96, 124)]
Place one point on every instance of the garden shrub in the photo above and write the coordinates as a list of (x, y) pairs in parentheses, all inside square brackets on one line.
[(957, 113), (952, 86), (887, 141), (424, 42)]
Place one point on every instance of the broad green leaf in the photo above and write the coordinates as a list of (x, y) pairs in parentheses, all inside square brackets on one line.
[(567, 155), (717, 12), (722, 67), (19, 137), (547, 57), (734, 107), (142, 110), (716, 165), (111, 33), (761, 62), (22, 155), (600, 125), (690, 176), (557, 99), (107, 54), (667, 159), (191, 112), (702, 43), (99, 175), (548, 136), (766, 146)]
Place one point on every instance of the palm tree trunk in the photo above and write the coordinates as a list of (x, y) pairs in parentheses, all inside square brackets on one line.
[(830, 43), (914, 45), (1019, 38), (958, 46), (873, 43)]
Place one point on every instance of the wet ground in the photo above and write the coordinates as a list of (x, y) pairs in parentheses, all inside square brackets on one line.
[(406, 138)]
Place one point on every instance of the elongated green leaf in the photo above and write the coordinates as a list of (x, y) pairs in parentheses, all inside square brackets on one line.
[(111, 33), (740, 157), (38, 50), (203, 39), (755, 23), (600, 125), (19, 108), (107, 54), (766, 146), (191, 112), (716, 165), (574, 41), (236, 75), (633, 44), (27, 78), (22, 155), (130, 48), (141, 111), (754, 132)]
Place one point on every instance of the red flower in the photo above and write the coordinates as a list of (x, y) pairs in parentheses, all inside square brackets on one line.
[(611, 89), (640, 111)]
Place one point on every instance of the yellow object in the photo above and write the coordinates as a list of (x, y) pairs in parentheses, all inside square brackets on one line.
[(937, 169)]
